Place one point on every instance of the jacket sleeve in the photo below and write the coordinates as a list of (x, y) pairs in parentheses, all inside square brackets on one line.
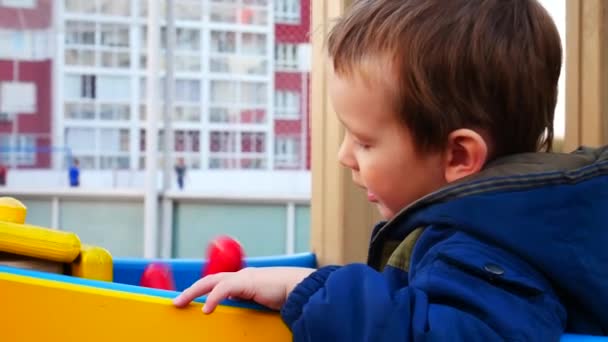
[(456, 292)]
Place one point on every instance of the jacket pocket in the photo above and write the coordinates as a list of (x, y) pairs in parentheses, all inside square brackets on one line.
[(496, 267)]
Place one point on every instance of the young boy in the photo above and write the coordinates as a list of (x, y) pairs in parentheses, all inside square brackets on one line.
[(445, 105)]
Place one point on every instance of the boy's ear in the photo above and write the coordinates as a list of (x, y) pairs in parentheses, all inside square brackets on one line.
[(466, 154)]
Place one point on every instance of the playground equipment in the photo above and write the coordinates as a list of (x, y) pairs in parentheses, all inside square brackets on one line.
[(57, 289), (54, 288)]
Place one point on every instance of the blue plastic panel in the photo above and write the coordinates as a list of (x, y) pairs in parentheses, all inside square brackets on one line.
[(187, 271)]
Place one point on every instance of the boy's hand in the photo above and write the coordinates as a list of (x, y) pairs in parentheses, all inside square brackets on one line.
[(268, 286)]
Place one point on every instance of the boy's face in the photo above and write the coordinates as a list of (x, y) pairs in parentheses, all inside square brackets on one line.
[(378, 148)]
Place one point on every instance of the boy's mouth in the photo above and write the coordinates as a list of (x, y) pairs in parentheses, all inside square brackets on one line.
[(371, 197)]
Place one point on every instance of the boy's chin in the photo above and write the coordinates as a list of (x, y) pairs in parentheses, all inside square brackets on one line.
[(385, 212)]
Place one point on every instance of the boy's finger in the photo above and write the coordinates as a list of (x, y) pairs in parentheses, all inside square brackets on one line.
[(221, 292), (197, 289)]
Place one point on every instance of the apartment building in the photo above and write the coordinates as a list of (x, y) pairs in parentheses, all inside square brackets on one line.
[(26, 58), (242, 75)]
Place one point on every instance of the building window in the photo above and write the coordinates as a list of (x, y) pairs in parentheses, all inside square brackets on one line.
[(29, 44), (80, 43), (113, 88), (113, 140), (245, 65), (230, 149), (5, 149), (222, 141), (223, 115), (19, 3), (114, 46), (188, 10), (253, 163), (162, 10), (187, 99), (114, 162), (187, 90), (253, 148), (286, 57), (253, 43), (90, 44), (186, 39), (252, 116), (21, 147), (79, 111), (187, 141), (287, 152), (239, 53), (187, 56), (80, 6), (7, 44), (287, 104), (223, 91), (249, 93), (287, 11), (114, 112), (234, 102), (193, 138), (103, 7), (115, 59), (87, 86), (249, 13), (187, 113), (179, 142), (115, 8), (18, 97), (223, 41), (253, 142), (187, 62), (79, 33), (114, 35), (142, 140), (80, 57), (253, 93), (245, 115), (90, 96), (80, 139), (222, 147), (26, 147)]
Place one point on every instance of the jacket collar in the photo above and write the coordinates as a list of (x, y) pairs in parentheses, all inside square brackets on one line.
[(510, 173)]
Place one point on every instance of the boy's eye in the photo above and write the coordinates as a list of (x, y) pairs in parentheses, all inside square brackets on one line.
[(363, 145), (359, 143)]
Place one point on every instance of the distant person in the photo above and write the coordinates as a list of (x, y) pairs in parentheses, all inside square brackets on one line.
[(180, 170), (2, 175), (74, 174)]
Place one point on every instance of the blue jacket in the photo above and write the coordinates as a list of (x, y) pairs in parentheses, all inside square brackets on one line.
[(518, 252), (74, 175)]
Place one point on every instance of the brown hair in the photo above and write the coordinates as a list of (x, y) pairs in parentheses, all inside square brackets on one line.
[(489, 64)]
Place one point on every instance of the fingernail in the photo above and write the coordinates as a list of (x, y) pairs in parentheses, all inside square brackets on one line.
[(205, 310)]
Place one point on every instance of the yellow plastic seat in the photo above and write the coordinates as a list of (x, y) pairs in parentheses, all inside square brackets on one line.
[(93, 263), (28, 246), (19, 238)]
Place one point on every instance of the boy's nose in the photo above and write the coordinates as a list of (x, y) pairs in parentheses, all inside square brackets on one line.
[(345, 155)]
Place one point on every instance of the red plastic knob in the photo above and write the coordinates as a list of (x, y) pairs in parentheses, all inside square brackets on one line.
[(224, 254), (158, 276)]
